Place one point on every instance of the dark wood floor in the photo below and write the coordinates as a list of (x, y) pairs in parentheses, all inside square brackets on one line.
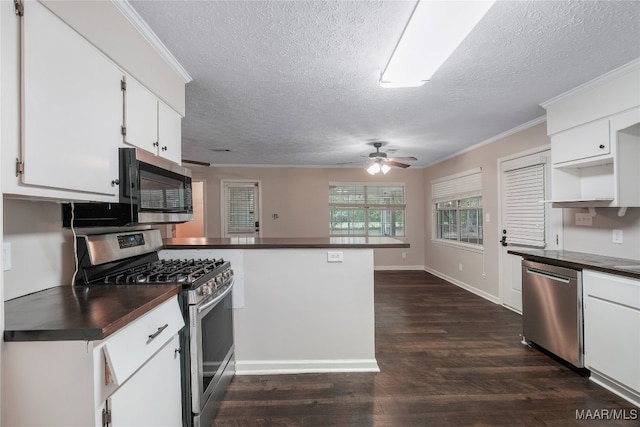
[(446, 357)]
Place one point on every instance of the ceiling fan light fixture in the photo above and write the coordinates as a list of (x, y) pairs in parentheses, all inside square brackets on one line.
[(374, 168), (385, 168), (434, 31)]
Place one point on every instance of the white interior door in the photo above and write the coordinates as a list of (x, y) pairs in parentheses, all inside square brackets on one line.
[(241, 209), (525, 222)]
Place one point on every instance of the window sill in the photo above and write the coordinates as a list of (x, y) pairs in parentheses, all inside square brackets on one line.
[(459, 245)]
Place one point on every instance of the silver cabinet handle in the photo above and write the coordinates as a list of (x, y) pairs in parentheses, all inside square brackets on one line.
[(158, 332)]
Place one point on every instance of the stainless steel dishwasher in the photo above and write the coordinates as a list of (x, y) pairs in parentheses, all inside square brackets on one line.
[(552, 316)]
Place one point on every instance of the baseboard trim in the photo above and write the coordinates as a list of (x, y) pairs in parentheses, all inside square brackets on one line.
[(464, 286), (276, 367), (399, 268), (625, 393)]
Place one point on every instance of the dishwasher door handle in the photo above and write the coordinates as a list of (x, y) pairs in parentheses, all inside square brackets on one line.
[(548, 275)]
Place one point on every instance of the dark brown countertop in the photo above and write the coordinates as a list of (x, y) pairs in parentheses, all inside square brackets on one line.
[(282, 243), (80, 312), (582, 261)]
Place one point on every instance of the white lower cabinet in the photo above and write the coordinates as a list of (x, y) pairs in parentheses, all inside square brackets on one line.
[(612, 332), (132, 377), (149, 398)]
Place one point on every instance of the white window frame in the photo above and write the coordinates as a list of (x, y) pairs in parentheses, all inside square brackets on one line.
[(367, 206), (456, 187)]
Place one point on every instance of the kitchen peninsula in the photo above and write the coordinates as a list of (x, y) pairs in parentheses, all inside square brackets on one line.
[(301, 304)]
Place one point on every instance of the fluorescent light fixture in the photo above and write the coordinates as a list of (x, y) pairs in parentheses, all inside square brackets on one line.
[(434, 31)]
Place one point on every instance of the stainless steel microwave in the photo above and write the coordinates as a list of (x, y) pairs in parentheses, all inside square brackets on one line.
[(153, 190)]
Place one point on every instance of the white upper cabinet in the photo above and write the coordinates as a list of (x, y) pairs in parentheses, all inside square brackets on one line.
[(62, 102), (169, 133), (140, 127), (595, 142), (149, 123), (71, 114)]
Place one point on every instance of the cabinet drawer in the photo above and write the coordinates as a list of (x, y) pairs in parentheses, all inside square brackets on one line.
[(616, 289), (582, 142), (131, 347)]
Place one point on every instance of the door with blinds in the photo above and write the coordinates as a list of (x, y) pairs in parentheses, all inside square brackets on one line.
[(525, 222), (241, 215)]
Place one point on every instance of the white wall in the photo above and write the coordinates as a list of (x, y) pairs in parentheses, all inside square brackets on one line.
[(41, 251)]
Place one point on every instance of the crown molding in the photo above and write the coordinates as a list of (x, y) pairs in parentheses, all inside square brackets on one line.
[(616, 72), (495, 138), (147, 33)]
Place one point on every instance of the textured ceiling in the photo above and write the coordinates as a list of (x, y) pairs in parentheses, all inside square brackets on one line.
[(296, 82)]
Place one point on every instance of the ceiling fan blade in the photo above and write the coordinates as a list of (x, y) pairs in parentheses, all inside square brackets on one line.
[(404, 158), (351, 163), (397, 164), (196, 162)]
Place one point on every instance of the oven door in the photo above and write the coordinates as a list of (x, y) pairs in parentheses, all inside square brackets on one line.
[(212, 366)]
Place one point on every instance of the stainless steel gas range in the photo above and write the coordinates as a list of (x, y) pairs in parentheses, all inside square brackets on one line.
[(207, 347)]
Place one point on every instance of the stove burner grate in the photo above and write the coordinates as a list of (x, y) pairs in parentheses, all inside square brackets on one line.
[(165, 271)]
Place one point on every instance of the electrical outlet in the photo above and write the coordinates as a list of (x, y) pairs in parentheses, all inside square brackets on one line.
[(584, 219), (334, 257), (617, 236), (460, 267)]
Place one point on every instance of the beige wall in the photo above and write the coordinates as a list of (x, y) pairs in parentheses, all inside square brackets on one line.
[(300, 198), (445, 260)]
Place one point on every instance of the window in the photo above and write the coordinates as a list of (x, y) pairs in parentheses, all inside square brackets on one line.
[(460, 220), (366, 210), (458, 208)]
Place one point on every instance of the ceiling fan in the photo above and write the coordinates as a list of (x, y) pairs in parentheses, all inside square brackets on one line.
[(380, 162), (196, 162)]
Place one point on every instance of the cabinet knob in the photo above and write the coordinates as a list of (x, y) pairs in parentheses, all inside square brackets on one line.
[(155, 144), (601, 146), (164, 148), (115, 182)]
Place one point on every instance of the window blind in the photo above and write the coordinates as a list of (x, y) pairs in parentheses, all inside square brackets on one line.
[(240, 209), (525, 215), (466, 184)]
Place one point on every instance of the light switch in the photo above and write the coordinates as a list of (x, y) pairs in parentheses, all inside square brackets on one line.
[(617, 236), (6, 256)]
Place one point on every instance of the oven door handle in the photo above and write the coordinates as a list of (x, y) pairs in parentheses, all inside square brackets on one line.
[(215, 300)]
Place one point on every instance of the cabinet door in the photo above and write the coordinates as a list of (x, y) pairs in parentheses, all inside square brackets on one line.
[(71, 107), (612, 327), (582, 142), (169, 133), (140, 116), (152, 396)]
